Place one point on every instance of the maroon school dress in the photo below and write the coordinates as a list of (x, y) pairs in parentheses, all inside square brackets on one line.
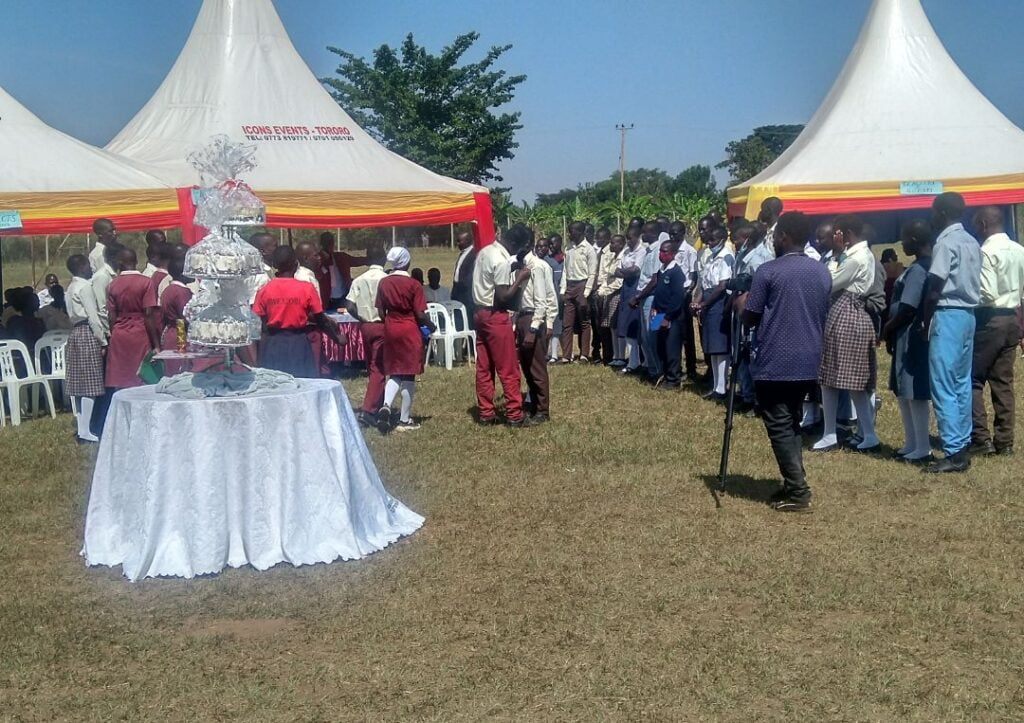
[(399, 297), (128, 297), (172, 308)]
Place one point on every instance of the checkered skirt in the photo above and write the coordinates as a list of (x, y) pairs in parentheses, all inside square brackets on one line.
[(848, 354), (84, 371), (609, 308)]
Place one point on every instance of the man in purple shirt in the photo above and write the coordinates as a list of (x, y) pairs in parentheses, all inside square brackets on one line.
[(788, 303)]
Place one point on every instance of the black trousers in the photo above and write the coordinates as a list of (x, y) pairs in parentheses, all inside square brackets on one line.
[(669, 344), (689, 341), (782, 409)]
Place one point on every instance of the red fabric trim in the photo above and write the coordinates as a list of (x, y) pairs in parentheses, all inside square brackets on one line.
[(190, 233), (124, 222), (483, 232)]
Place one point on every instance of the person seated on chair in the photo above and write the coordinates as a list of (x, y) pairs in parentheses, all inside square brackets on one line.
[(24, 326), (289, 309), (433, 291), (55, 314)]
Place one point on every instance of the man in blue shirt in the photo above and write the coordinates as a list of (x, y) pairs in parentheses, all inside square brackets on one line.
[(788, 301), (952, 292)]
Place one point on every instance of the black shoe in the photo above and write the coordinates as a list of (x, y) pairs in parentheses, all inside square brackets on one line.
[(791, 504), (920, 461), (777, 497), (959, 462), (488, 421), (667, 386), (384, 420), (714, 396), (520, 423), (541, 418), (366, 419), (982, 449), (1005, 451)]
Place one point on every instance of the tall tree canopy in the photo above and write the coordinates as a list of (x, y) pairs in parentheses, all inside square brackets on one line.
[(694, 181), (751, 155), (433, 109)]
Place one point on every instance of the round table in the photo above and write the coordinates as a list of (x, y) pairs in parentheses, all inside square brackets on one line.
[(187, 487)]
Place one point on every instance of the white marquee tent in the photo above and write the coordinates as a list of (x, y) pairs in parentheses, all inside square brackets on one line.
[(53, 183), (901, 124), (239, 75)]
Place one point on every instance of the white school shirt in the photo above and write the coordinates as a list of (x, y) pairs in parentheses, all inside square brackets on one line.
[(492, 269), (854, 270)]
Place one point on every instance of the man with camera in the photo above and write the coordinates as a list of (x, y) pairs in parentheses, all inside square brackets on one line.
[(787, 305)]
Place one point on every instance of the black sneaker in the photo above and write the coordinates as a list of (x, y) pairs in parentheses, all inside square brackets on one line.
[(488, 421), (982, 449), (1005, 451), (777, 497), (959, 462), (792, 504), (384, 420), (541, 418)]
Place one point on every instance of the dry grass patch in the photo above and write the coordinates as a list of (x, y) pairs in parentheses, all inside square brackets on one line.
[(577, 571)]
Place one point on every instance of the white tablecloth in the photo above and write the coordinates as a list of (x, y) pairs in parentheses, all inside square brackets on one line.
[(257, 480)]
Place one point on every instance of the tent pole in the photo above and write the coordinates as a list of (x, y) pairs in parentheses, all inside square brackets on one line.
[(290, 243), (47, 251), (453, 234), (394, 235)]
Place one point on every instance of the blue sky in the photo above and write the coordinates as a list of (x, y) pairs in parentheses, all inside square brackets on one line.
[(690, 74)]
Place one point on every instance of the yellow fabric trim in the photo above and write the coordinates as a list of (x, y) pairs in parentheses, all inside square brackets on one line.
[(77, 204), (360, 203), (753, 196)]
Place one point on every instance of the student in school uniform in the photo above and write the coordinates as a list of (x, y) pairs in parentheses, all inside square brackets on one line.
[(172, 310), (362, 304), (401, 303), (494, 293), (132, 312), (159, 257), (84, 353), (537, 309), (289, 309), (308, 256), (669, 290)]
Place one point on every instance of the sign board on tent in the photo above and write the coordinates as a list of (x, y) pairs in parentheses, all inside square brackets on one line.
[(921, 188), (9, 220)]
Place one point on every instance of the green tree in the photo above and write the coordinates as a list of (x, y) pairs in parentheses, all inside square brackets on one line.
[(435, 110), (751, 155), (695, 181)]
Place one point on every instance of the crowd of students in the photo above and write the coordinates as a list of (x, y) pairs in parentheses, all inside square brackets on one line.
[(634, 302)]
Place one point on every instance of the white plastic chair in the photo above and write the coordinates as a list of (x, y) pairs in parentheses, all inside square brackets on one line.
[(10, 380), (442, 334), (54, 344), (460, 323)]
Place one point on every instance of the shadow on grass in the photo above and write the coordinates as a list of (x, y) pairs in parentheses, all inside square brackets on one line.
[(745, 486)]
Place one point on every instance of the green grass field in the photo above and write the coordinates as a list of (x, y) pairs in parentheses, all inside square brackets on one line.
[(574, 571)]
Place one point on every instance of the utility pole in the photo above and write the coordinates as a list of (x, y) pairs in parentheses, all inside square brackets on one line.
[(622, 128)]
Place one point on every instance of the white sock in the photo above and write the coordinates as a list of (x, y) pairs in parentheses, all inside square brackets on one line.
[(720, 366), (554, 348), (408, 392), (829, 408), (909, 440), (865, 419), (85, 405), (920, 410), (390, 392)]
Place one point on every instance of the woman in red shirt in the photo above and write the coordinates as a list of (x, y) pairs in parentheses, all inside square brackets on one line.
[(289, 308), (404, 310)]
